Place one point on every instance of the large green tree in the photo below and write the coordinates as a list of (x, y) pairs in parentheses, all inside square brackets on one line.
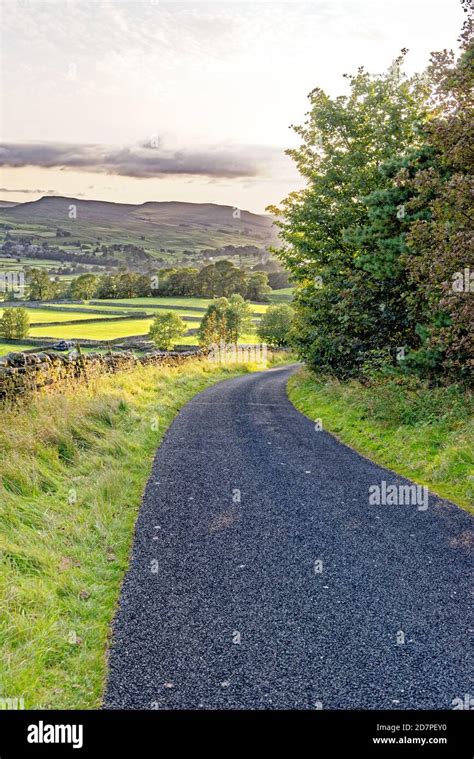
[(441, 265), (341, 308), (257, 287), (225, 320), (275, 325), (83, 287), (41, 286)]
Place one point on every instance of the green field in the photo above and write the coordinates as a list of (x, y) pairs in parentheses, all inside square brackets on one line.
[(95, 331), (40, 315), (285, 295), (201, 303), (11, 348), (110, 305), (104, 329), (11, 264), (115, 330)]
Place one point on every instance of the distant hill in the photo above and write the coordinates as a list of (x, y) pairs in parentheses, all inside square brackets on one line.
[(158, 226)]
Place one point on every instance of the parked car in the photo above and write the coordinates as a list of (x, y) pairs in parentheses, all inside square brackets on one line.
[(64, 345)]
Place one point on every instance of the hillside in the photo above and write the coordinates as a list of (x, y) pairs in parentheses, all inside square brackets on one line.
[(170, 227)]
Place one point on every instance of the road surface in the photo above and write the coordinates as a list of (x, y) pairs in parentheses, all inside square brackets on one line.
[(262, 578)]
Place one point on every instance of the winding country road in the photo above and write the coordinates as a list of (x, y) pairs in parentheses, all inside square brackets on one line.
[(261, 577)]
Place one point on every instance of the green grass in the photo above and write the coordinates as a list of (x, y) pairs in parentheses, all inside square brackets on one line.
[(11, 348), (73, 466), (99, 330), (103, 330), (116, 329), (425, 434), (44, 315), (285, 295), (95, 330), (257, 308), (250, 339), (176, 301), (114, 306), (11, 264)]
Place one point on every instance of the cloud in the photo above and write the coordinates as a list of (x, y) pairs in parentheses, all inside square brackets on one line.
[(28, 192), (147, 160)]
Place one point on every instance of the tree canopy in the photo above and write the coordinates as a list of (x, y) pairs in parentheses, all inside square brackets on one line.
[(374, 239)]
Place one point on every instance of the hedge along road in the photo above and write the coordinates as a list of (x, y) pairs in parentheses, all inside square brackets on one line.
[(262, 577)]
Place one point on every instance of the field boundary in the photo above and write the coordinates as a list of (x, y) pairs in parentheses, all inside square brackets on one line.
[(159, 306), (22, 374), (70, 322)]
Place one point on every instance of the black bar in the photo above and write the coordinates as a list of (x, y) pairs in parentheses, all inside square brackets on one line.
[(164, 733)]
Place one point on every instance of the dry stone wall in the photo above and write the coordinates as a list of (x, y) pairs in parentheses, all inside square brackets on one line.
[(23, 373)]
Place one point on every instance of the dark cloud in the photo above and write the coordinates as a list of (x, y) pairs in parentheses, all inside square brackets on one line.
[(144, 160)]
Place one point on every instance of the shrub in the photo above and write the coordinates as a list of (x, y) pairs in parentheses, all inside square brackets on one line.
[(166, 329), (274, 327)]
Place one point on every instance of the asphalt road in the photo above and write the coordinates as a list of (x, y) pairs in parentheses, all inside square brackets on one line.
[(262, 578)]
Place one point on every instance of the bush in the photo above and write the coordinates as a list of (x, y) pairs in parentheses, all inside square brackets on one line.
[(225, 320), (15, 323), (275, 324), (166, 329)]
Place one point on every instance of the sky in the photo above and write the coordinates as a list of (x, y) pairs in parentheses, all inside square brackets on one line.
[(137, 100)]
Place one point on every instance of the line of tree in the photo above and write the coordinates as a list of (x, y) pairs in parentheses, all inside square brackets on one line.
[(379, 243), (220, 279), (214, 280)]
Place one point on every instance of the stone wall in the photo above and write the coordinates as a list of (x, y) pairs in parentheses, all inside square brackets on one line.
[(24, 373), (39, 303)]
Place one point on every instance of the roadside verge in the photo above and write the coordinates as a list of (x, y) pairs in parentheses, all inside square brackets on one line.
[(73, 467), (425, 434)]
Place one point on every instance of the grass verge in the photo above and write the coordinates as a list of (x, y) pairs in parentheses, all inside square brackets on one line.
[(425, 434), (73, 467)]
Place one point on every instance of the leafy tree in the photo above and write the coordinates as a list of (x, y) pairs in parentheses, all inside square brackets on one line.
[(166, 329), (275, 324), (15, 323), (83, 287), (231, 280), (345, 142), (395, 305), (41, 287), (126, 284), (144, 287), (278, 280), (257, 287), (182, 281), (221, 279), (239, 318), (225, 320), (207, 281), (441, 266), (22, 322), (7, 324), (107, 287), (213, 328)]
